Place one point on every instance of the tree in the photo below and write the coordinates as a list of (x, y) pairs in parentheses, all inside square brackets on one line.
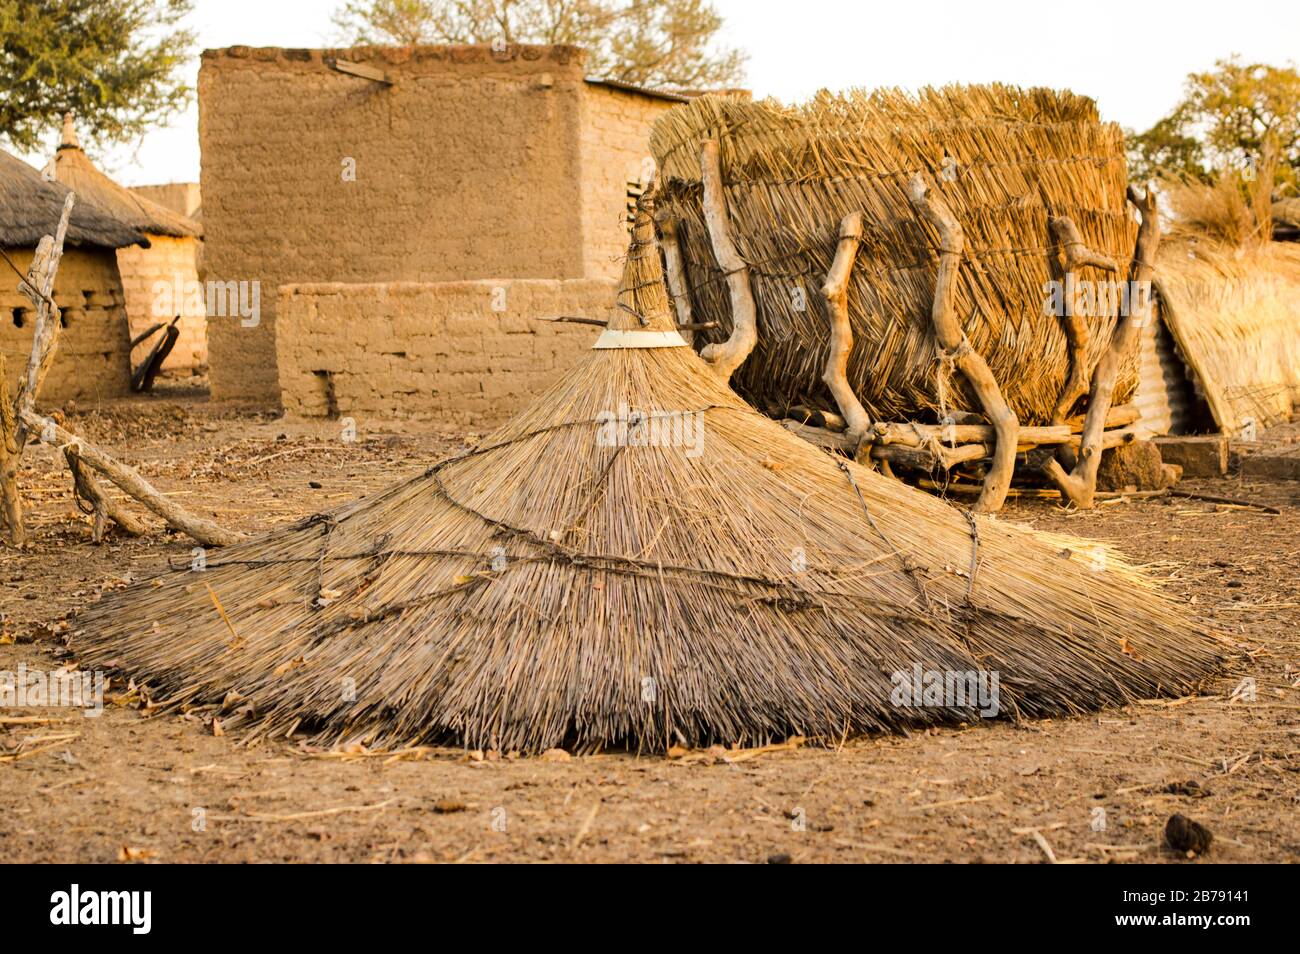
[(113, 63), (658, 43), (1229, 119)]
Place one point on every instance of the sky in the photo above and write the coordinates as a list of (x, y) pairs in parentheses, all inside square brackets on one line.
[(1132, 56)]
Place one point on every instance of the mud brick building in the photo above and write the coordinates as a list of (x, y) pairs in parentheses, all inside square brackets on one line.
[(416, 179)]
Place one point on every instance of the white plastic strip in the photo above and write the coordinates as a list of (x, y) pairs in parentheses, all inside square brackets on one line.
[(614, 338)]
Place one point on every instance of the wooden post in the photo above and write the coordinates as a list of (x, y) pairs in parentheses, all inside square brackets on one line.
[(728, 355), (1079, 486), (836, 292), (675, 271), (954, 345), (1077, 255), (11, 504)]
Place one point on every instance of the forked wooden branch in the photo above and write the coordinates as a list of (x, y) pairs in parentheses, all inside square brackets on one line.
[(104, 507), (674, 269), (1079, 486), (19, 421), (204, 531), (1076, 255), (955, 347), (836, 292), (727, 356)]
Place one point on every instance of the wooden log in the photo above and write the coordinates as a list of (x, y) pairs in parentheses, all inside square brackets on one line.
[(11, 503), (1077, 255), (836, 292), (105, 508), (919, 435), (1079, 485), (675, 271), (39, 289), (201, 529), (930, 458), (955, 347), (727, 356)]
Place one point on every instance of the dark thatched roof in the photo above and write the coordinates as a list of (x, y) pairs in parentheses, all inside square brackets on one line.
[(74, 169), (30, 207)]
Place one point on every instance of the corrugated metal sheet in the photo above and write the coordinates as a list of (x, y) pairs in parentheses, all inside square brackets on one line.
[(1165, 395)]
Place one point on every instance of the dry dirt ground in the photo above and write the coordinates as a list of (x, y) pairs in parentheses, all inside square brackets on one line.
[(1096, 788)]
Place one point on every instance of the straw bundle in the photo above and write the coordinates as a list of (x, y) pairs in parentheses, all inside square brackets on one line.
[(560, 585), (1003, 159), (1233, 314)]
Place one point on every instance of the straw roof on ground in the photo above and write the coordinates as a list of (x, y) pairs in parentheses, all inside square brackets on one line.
[(570, 583), (30, 208), (1235, 318), (73, 168), (1004, 160)]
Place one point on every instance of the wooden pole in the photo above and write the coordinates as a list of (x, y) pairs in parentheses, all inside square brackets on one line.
[(1079, 486), (836, 292), (727, 356), (955, 347), (1077, 255)]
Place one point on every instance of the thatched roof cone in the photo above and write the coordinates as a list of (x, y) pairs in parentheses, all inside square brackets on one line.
[(30, 208), (73, 168), (563, 585)]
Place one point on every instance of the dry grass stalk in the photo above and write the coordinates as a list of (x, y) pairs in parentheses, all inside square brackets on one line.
[(549, 589)]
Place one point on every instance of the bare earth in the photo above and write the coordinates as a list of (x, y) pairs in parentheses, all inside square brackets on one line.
[(1096, 788)]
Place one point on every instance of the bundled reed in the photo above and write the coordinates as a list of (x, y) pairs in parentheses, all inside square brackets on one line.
[(1005, 160), (571, 583)]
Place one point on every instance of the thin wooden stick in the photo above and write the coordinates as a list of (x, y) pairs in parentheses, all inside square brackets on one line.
[(728, 355), (11, 503), (957, 348), (836, 292), (105, 508)]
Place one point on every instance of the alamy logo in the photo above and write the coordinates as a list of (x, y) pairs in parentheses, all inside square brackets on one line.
[(628, 428), (946, 689), (67, 688), (215, 299), (103, 907)]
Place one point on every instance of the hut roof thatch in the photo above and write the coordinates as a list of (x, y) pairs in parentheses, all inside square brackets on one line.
[(1003, 159), (584, 579), (30, 207), (73, 168), (1235, 318)]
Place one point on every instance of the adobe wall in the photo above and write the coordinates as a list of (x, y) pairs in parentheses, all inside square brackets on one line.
[(466, 167), (91, 360), (408, 349), (181, 197), (167, 261), (615, 147)]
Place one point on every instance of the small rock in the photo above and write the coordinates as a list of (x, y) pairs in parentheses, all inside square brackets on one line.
[(315, 484), (1184, 834), (555, 755), (448, 806), (779, 859)]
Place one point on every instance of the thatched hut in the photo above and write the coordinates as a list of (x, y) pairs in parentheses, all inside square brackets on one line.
[(160, 281), (1034, 182), (640, 558), (93, 357)]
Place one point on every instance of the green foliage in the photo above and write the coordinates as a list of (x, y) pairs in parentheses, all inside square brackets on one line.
[(115, 64), (660, 43), (1234, 117)]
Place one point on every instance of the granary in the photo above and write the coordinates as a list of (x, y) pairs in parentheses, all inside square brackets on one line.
[(568, 582), (160, 281), (93, 360), (914, 267), (409, 213)]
